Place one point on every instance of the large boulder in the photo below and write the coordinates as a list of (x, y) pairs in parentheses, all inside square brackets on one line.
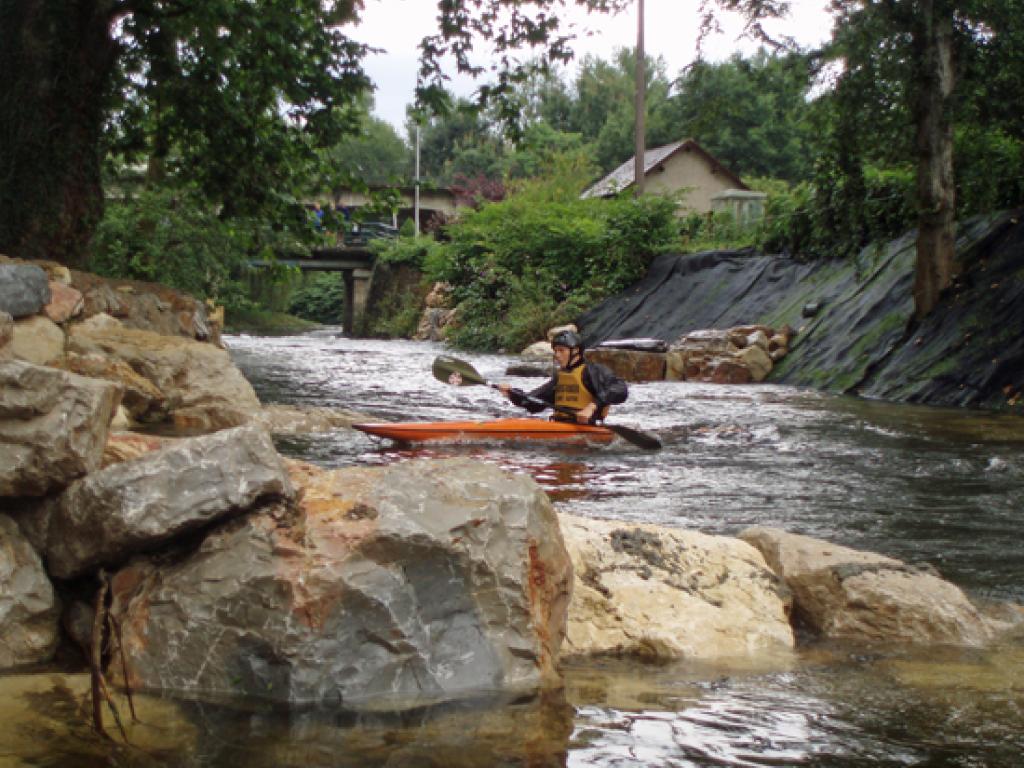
[(53, 426), (24, 289), (147, 306), (630, 364), (396, 586), (756, 359), (844, 593), (38, 340), (29, 610), (139, 505), (6, 336), (141, 397), (667, 593), (202, 389), (65, 303), (280, 419)]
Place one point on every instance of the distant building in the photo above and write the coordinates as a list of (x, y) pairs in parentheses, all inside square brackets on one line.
[(686, 169)]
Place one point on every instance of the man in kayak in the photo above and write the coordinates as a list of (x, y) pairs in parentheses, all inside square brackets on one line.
[(586, 388)]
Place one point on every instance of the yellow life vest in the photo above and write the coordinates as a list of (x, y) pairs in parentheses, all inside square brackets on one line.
[(570, 393)]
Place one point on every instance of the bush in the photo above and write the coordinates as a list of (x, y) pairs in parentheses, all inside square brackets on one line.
[(321, 298), (171, 236), (542, 255)]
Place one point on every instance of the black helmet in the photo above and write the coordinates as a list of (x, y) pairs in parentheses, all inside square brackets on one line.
[(569, 339)]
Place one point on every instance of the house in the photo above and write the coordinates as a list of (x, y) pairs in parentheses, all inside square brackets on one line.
[(687, 169)]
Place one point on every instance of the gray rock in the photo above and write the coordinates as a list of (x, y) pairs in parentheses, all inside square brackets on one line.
[(29, 610), (53, 426), (845, 593), (387, 587), (137, 505), (6, 335), (24, 289)]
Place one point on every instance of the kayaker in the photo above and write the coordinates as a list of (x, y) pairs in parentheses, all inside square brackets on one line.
[(587, 388)]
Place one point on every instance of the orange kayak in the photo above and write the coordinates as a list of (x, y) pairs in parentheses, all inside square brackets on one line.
[(498, 429)]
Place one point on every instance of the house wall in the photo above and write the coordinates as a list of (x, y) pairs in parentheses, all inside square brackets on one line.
[(687, 169)]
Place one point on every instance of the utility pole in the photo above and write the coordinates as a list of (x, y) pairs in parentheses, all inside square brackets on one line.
[(416, 188), (640, 147)]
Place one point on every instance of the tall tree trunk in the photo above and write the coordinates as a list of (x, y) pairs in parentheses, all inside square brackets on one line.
[(640, 107), (59, 55), (936, 238)]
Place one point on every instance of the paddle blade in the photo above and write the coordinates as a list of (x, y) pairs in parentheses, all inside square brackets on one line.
[(456, 372), (644, 440)]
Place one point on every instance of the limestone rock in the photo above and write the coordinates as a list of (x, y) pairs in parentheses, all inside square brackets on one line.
[(147, 306), (125, 446), (389, 586), (433, 324), (305, 419), (24, 289), (29, 610), (38, 340), (203, 389), (439, 296), (666, 593), (65, 303), (630, 364), (6, 336), (98, 323), (758, 339), (675, 365), (142, 399), (53, 426), (844, 593), (538, 352), (134, 506), (756, 359), (726, 370), (710, 341)]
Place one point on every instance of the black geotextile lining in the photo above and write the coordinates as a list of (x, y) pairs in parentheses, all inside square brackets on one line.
[(863, 338), (682, 293), (970, 350)]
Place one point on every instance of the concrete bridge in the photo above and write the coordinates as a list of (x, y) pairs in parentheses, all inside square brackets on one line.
[(356, 266)]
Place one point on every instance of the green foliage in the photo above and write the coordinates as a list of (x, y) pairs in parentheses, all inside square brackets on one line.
[(374, 156), (809, 221), (750, 113), (321, 298), (413, 251), (540, 256), (171, 237)]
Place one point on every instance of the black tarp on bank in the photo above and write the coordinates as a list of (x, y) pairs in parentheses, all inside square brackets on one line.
[(970, 351)]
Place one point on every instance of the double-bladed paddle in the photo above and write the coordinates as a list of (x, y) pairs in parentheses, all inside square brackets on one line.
[(459, 373)]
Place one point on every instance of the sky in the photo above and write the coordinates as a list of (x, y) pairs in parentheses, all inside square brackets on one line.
[(670, 31)]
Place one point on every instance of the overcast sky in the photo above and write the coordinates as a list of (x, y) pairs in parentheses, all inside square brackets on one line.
[(670, 31)]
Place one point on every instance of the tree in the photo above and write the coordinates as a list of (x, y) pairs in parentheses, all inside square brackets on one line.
[(903, 60), (230, 93), (374, 156), (752, 113)]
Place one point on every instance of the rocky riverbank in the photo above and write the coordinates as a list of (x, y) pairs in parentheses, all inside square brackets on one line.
[(233, 572)]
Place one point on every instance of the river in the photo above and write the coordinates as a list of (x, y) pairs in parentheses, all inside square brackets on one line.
[(926, 485)]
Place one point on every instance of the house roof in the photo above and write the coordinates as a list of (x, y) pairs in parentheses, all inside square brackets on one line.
[(623, 176)]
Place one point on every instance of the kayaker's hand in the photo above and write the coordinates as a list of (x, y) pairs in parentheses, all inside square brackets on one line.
[(504, 389), (585, 414)]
